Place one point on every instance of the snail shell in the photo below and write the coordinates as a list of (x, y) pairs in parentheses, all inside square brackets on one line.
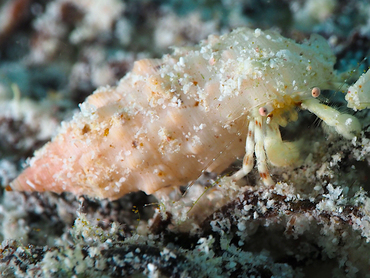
[(197, 109)]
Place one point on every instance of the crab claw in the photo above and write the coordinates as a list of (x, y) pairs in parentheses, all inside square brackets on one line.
[(358, 96)]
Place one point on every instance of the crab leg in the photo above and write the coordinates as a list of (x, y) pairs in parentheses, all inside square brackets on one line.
[(260, 152), (346, 125), (248, 160)]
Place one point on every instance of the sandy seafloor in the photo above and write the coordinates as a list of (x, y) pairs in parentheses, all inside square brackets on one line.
[(315, 222)]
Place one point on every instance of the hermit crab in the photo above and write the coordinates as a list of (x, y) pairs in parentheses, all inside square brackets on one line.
[(198, 109)]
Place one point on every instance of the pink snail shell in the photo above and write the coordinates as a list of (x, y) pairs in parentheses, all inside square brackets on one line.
[(197, 109)]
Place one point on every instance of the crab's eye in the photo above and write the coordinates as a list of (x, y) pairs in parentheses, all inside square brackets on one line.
[(315, 92), (265, 110)]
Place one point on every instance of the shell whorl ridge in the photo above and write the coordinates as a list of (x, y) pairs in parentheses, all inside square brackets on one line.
[(170, 118)]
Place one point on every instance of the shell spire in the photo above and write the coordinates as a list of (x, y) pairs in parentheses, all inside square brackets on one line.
[(41, 174)]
